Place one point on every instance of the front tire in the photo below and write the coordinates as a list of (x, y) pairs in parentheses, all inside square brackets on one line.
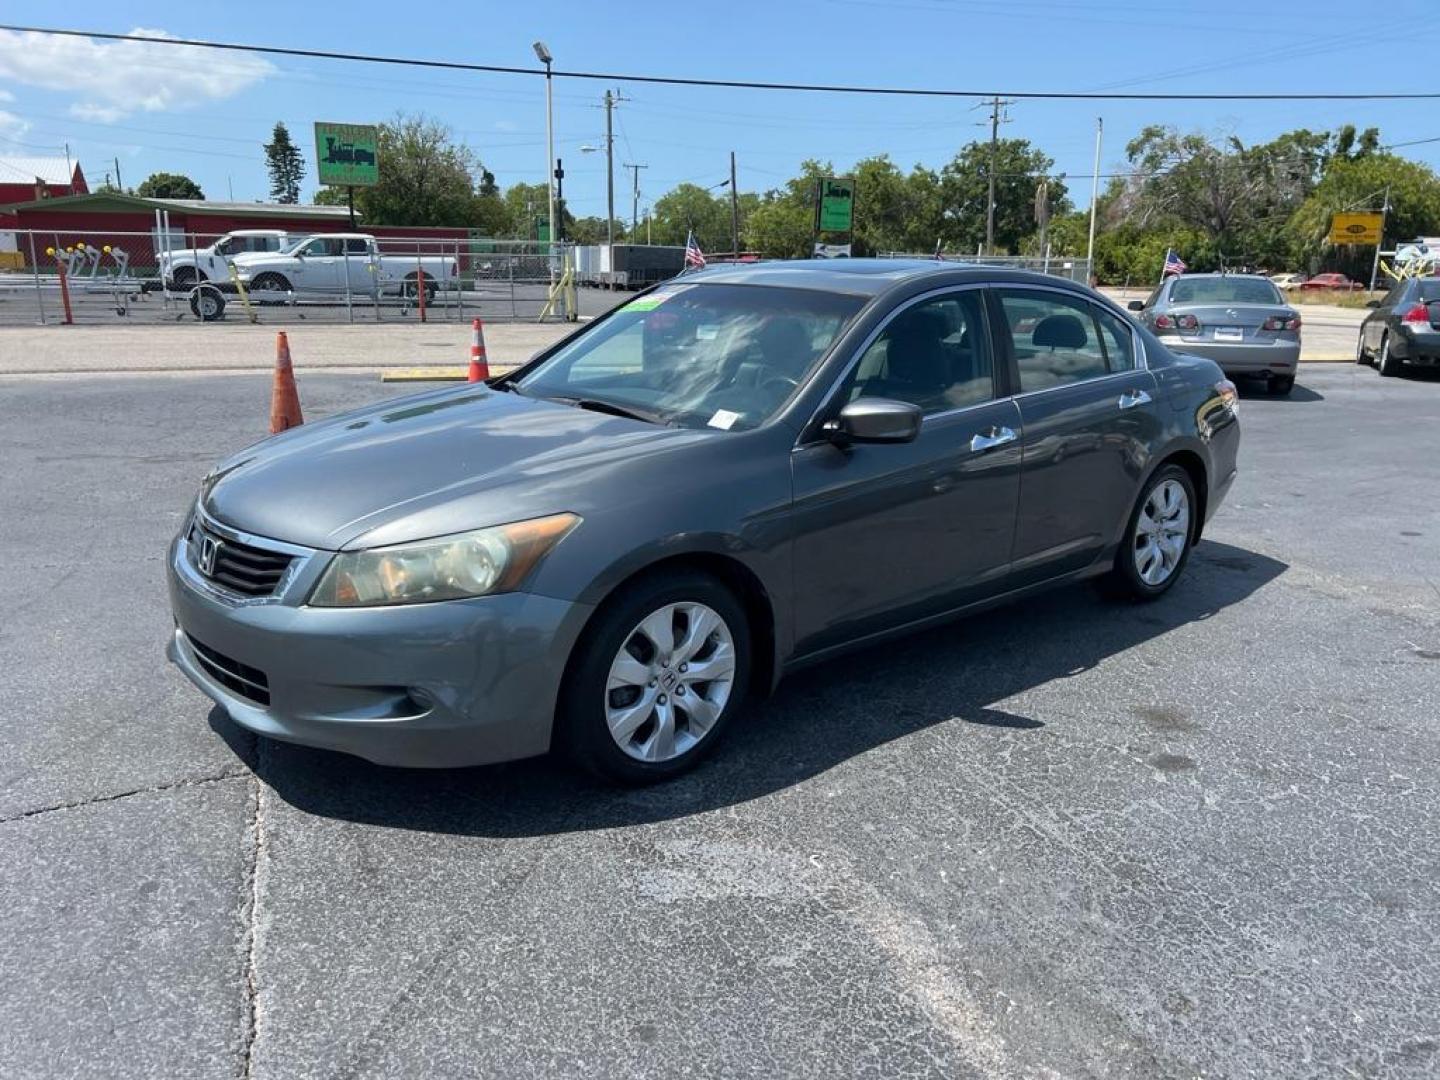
[(1361, 356), (270, 282), (1158, 537), (655, 679), (1389, 364)]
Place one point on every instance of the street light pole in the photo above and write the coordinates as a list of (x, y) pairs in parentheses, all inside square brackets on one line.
[(609, 173), (1094, 200), (543, 54)]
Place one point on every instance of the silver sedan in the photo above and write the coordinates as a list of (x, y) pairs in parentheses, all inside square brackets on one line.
[(1240, 321)]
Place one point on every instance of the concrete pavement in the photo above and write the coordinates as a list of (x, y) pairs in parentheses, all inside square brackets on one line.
[(1065, 838)]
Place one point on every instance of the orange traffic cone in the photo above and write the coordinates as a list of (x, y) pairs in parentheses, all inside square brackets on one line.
[(479, 365), (284, 398)]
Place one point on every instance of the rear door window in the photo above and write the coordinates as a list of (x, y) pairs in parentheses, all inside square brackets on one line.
[(1117, 339), (1056, 339)]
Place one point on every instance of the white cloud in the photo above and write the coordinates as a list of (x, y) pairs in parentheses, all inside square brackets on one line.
[(6, 95), (112, 79), (12, 125)]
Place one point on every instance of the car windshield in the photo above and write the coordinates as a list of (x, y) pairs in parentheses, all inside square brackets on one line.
[(698, 355), (1224, 290)]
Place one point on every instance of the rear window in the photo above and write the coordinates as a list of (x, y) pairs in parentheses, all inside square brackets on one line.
[(1429, 290), (1224, 290)]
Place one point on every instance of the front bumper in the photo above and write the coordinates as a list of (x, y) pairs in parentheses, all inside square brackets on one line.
[(461, 682), (1278, 357)]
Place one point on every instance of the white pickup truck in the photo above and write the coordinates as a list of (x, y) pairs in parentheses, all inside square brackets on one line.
[(321, 263), (184, 268)]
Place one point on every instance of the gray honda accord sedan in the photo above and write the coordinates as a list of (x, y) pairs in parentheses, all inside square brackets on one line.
[(613, 548)]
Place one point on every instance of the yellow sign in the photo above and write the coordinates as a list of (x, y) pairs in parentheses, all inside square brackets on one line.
[(1362, 227)]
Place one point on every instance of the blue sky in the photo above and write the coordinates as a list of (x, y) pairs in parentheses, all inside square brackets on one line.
[(206, 115)]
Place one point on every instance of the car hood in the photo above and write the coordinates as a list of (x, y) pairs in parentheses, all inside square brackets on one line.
[(427, 465)]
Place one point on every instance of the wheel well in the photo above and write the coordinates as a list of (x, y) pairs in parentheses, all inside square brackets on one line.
[(735, 575), (1192, 464)]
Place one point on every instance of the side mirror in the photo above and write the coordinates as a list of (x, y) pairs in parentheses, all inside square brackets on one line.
[(875, 420), (1372, 303), (1135, 305)]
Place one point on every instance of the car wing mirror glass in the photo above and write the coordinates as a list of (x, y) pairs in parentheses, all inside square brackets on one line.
[(875, 420), (1136, 305)]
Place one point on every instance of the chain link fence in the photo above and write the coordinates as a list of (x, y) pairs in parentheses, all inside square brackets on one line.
[(1072, 269), (273, 277)]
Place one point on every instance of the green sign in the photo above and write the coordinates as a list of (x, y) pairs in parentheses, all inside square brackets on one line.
[(836, 209), (347, 155)]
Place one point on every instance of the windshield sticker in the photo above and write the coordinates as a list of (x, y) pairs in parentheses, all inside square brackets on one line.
[(647, 303), (724, 419)]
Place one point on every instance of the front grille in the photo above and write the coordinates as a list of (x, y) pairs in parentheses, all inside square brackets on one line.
[(248, 682), (241, 568)]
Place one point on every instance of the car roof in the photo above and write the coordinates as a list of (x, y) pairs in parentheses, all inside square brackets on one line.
[(864, 277)]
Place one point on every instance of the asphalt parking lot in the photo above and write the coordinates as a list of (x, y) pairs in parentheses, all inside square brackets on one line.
[(1063, 839)]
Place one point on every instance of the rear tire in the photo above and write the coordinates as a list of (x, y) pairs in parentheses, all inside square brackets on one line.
[(410, 292), (1361, 356), (1280, 385), (1389, 364), (1158, 537), (615, 717)]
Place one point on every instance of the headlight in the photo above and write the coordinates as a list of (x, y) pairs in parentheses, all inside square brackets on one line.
[(478, 563)]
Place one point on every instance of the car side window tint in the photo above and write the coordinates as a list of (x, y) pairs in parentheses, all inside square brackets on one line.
[(355, 246), (935, 354), (1117, 339), (1055, 338)]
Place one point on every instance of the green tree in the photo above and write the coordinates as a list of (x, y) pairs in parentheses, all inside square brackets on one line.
[(1361, 181), (527, 204), (688, 207), (591, 230), (781, 223), (285, 164), (165, 185), (893, 211), (964, 190), (425, 176)]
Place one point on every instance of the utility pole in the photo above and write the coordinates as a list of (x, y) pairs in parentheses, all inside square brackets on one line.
[(734, 212), (1384, 213), (118, 182), (1094, 200), (995, 106), (609, 175), (635, 197)]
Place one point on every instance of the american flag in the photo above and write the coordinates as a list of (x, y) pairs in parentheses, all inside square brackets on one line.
[(1173, 264), (694, 258)]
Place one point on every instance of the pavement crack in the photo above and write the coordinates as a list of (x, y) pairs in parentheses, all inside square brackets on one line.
[(249, 921), (152, 789)]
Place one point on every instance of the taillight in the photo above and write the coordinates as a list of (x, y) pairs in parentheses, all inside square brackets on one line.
[(1418, 313), (1187, 322), (1164, 322), (1280, 322)]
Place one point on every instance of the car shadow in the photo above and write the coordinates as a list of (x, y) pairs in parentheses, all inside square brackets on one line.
[(1300, 394), (818, 718)]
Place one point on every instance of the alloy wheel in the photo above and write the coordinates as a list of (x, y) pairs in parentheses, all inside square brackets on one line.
[(670, 681), (1162, 530)]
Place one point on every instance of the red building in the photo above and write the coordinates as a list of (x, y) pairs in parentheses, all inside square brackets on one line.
[(24, 179)]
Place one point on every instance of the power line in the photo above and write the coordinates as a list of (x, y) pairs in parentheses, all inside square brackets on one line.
[(736, 84)]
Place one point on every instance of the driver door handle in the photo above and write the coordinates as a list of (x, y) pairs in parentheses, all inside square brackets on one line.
[(1131, 398), (989, 440)]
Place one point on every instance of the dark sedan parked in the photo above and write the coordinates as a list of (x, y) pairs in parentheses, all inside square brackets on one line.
[(1403, 328), (743, 470)]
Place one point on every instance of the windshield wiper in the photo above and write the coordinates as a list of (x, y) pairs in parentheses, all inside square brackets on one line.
[(627, 411)]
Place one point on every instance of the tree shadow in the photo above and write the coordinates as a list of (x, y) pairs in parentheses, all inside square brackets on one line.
[(819, 717)]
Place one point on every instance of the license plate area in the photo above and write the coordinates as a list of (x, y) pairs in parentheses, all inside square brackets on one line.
[(1229, 333)]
